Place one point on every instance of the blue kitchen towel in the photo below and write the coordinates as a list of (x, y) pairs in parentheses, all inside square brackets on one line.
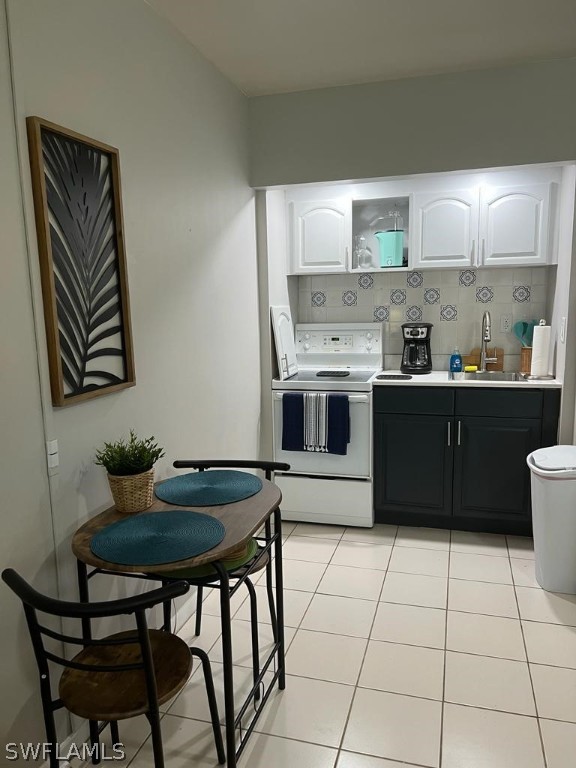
[(292, 421), (338, 424)]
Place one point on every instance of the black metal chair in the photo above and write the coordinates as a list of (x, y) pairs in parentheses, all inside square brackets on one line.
[(255, 559), (116, 677)]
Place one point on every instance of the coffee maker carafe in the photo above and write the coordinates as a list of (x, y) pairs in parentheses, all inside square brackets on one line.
[(416, 357)]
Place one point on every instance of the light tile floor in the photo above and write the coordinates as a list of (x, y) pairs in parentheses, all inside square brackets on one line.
[(406, 647)]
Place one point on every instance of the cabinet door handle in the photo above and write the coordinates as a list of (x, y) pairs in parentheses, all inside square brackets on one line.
[(472, 253), (459, 432), (483, 250), (449, 434)]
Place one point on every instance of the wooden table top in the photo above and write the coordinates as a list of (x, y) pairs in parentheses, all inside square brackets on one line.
[(242, 520)]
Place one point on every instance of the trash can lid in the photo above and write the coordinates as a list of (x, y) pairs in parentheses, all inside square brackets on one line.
[(556, 458)]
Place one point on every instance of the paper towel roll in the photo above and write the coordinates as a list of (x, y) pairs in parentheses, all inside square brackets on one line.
[(540, 350)]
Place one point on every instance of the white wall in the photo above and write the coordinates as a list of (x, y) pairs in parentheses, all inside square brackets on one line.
[(26, 538), (117, 72), (275, 289), (512, 116)]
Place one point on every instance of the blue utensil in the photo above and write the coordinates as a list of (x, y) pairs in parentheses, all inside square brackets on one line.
[(520, 330)]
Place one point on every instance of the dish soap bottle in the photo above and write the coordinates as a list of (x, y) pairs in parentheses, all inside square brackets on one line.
[(456, 361)]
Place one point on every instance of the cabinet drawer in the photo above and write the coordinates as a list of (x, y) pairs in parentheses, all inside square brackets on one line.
[(499, 403), (434, 401)]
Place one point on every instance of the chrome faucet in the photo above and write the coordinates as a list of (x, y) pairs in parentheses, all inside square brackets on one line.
[(486, 337)]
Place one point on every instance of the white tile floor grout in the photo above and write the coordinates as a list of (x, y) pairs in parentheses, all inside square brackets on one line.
[(530, 675), (384, 683), (445, 646)]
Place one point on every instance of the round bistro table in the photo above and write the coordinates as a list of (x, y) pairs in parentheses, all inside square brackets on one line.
[(242, 520)]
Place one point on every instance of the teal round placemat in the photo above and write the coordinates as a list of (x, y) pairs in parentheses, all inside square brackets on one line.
[(205, 489), (155, 538)]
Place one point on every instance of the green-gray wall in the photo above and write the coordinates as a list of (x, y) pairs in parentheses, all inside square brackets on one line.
[(489, 118)]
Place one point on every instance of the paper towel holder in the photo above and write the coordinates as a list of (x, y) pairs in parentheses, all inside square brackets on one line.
[(543, 377)]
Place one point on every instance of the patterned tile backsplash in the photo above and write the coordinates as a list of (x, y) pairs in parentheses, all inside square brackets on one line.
[(453, 300)]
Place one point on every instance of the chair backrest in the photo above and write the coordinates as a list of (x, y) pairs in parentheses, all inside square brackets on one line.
[(34, 603), (266, 466)]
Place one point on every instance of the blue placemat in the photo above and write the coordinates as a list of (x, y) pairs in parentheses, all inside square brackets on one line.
[(155, 538), (204, 489)]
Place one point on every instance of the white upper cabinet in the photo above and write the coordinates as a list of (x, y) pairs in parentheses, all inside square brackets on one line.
[(484, 226), (444, 228), (514, 225), (497, 218), (321, 235)]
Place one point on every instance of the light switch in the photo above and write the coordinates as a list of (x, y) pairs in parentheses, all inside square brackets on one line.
[(52, 457)]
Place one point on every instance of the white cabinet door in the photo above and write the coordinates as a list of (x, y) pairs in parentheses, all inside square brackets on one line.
[(445, 228), (321, 236), (514, 225)]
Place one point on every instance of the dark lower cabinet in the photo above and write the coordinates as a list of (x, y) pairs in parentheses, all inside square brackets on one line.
[(491, 478), (457, 458), (414, 463)]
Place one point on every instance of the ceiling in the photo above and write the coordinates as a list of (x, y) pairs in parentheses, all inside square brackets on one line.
[(278, 46)]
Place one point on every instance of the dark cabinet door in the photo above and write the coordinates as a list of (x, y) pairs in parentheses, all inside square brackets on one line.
[(491, 478), (413, 464)]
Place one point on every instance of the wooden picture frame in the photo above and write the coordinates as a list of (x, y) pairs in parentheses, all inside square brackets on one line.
[(79, 224)]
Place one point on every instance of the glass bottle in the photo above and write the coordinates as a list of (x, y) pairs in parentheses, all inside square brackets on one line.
[(362, 253)]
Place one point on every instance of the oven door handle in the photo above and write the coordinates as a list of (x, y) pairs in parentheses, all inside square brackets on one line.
[(351, 398)]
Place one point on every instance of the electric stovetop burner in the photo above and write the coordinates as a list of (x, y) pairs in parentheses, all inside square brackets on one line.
[(335, 374)]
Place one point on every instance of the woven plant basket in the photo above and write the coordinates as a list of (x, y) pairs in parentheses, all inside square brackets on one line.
[(132, 493)]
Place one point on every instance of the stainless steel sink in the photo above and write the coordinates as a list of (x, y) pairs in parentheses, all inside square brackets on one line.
[(489, 376)]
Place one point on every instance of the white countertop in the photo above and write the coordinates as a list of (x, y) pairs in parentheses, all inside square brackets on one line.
[(441, 379)]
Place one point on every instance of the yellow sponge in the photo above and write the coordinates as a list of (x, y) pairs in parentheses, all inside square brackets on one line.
[(470, 368)]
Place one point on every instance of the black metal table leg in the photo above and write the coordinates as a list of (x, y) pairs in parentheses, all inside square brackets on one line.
[(254, 634), (166, 611), (279, 598), (269, 585), (82, 571), (84, 596), (227, 662)]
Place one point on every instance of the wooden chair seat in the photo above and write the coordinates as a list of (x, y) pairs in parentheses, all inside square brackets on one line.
[(119, 695), (115, 677)]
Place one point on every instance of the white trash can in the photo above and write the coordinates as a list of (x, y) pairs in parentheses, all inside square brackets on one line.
[(553, 478)]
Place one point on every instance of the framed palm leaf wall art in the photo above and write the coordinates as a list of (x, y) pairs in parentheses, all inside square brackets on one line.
[(78, 209)]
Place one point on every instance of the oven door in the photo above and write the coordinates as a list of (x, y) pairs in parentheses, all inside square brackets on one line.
[(356, 463)]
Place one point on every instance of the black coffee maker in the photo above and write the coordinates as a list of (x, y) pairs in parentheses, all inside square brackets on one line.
[(416, 357)]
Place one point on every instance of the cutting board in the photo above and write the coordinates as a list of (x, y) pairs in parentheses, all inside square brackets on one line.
[(474, 358), (284, 342)]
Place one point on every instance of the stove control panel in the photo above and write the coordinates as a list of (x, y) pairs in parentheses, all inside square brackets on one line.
[(356, 344), (337, 342)]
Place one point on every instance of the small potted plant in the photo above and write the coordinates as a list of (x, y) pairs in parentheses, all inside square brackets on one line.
[(130, 467)]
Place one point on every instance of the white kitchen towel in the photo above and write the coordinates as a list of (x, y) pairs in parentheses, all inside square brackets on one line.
[(315, 422), (540, 350)]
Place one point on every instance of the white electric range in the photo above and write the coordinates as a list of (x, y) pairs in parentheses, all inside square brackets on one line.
[(329, 357)]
